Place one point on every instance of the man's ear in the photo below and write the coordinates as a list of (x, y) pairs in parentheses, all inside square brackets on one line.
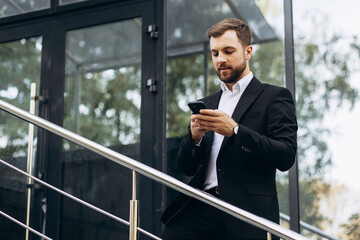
[(248, 52)]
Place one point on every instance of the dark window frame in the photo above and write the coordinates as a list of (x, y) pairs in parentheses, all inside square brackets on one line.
[(52, 24), (43, 22)]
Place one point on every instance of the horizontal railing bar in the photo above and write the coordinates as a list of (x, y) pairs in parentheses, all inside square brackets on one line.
[(24, 225), (154, 174), (65, 193), (309, 228), (148, 234), (77, 199)]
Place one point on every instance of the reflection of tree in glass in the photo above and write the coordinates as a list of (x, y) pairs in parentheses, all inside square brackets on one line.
[(109, 109), (322, 84), (19, 67), (184, 84)]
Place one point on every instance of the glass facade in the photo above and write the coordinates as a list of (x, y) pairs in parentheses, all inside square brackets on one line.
[(19, 68), (94, 64), (327, 92), (18, 7), (102, 103), (96, 69)]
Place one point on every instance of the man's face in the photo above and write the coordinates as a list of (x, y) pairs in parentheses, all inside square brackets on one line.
[(229, 57)]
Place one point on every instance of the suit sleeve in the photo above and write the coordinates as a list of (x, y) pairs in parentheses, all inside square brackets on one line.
[(189, 156), (277, 147)]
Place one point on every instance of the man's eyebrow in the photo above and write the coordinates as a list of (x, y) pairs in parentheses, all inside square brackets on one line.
[(229, 47), (225, 48)]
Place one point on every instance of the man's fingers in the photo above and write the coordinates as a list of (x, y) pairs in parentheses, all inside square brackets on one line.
[(205, 118), (210, 112)]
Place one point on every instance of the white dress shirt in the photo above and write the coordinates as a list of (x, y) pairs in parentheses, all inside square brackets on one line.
[(227, 104)]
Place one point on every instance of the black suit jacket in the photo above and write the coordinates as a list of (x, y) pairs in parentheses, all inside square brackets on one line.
[(247, 162)]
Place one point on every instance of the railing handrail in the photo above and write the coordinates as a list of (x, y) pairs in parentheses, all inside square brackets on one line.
[(24, 226), (154, 174), (309, 227), (99, 210)]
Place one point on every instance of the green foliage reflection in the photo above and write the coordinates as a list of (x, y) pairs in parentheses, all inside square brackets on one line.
[(19, 67)]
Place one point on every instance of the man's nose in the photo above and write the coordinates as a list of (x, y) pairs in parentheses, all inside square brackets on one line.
[(221, 58)]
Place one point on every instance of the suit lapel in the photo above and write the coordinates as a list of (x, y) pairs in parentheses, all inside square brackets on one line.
[(251, 92), (248, 97), (212, 101)]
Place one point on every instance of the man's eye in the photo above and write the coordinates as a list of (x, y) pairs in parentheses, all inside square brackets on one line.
[(215, 54), (229, 52)]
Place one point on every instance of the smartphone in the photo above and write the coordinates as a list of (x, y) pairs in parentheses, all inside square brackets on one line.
[(196, 106)]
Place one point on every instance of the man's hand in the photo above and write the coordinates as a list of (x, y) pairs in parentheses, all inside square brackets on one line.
[(211, 120), (197, 132)]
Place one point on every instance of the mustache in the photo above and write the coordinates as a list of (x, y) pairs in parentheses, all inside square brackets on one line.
[(222, 66)]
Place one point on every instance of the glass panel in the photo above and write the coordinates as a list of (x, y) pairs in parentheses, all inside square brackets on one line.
[(64, 2), (17, 7), (102, 103), (19, 67), (188, 49), (188, 21), (328, 86), (182, 87)]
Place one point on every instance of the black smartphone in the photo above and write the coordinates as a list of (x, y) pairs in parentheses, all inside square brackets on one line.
[(196, 106)]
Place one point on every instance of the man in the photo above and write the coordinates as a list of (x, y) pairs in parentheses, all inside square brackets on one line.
[(234, 158)]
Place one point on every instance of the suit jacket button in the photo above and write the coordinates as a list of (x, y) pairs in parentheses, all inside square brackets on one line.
[(245, 149), (193, 152)]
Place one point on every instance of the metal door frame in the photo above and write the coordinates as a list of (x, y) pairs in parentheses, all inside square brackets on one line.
[(52, 24)]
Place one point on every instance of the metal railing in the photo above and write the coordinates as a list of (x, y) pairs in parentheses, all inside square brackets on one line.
[(24, 226), (154, 174), (99, 210), (309, 227)]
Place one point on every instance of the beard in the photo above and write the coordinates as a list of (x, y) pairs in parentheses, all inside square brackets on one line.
[(234, 75)]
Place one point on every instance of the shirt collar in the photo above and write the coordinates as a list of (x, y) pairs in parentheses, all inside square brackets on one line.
[(240, 85)]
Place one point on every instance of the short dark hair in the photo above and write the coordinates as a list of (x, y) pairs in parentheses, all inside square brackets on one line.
[(242, 30)]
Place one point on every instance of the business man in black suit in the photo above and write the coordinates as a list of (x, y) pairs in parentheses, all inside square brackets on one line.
[(234, 158)]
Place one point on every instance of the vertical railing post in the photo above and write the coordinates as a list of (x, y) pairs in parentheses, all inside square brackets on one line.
[(269, 237), (30, 157), (133, 219), (294, 204)]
